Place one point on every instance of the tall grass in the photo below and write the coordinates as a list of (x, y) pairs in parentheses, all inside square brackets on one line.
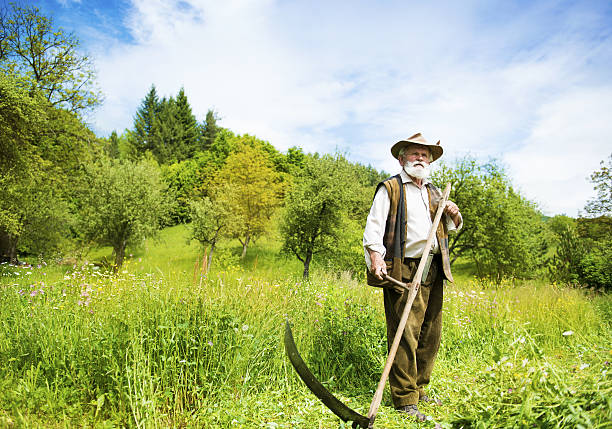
[(156, 347)]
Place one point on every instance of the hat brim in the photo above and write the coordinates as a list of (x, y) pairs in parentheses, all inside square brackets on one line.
[(435, 149)]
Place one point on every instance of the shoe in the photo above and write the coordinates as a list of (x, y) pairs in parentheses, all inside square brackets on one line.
[(413, 411), (430, 401)]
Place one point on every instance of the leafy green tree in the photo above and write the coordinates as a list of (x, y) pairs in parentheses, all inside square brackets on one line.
[(582, 252), (122, 204), (225, 143), (596, 265), (316, 206), (560, 223), (42, 151), (565, 265), (295, 159), (45, 82), (112, 146), (30, 46), (369, 176), (207, 222), (583, 247), (503, 232), (602, 180), (183, 180), (19, 116), (248, 188)]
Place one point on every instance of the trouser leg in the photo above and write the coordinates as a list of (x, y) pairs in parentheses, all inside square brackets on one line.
[(421, 338), (429, 337)]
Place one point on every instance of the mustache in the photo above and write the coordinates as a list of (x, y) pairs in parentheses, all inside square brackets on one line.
[(415, 163)]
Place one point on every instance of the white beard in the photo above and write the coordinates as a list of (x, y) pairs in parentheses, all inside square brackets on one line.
[(419, 172)]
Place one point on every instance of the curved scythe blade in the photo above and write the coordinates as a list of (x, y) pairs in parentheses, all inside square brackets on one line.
[(315, 386)]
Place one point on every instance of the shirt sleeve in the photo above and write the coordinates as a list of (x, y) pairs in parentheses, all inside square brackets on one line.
[(450, 225), (375, 225)]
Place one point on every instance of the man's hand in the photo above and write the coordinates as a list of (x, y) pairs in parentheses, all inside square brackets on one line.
[(452, 210), (378, 266), (379, 269)]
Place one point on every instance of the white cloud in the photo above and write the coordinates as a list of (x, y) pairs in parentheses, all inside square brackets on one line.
[(357, 76), (569, 137)]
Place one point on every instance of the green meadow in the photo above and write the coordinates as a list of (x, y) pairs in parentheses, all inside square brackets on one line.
[(160, 345)]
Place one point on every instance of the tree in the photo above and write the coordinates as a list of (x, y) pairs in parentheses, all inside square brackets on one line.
[(144, 121), (168, 128), (247, 187), (602, 180), (502, 233), (112, 146), (183, 180), (189, 133), (295, 159), (565, 264), (583, 247), (121, 204), (207, 221), (20, 115), (315, 207), (48, 57), (210, 129), (166, 132), (40, 163)]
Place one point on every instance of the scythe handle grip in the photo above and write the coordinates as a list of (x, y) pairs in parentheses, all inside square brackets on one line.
[(397, 282)]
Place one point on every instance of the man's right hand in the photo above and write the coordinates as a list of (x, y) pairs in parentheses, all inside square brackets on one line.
[(378, 266)]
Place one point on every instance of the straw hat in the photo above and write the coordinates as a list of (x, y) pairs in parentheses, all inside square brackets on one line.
[(435, 149)]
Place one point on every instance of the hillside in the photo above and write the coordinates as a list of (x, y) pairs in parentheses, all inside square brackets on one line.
[(154, 346)]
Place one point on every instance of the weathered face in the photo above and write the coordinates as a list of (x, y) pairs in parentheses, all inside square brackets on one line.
[(415, 153)]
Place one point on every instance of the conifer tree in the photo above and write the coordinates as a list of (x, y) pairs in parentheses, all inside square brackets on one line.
[(112, 145), (187, 127), (210, 129), (144, 121), (165, 137)]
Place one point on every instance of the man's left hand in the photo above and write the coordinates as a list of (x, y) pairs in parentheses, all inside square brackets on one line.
[(452, 210)]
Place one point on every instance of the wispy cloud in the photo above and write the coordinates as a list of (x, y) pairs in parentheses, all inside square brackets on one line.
[(526, 83)]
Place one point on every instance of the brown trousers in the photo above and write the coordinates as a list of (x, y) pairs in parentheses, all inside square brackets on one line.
[(419, 345)]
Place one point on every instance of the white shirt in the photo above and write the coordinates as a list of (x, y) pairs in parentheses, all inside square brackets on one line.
[(418, 220)]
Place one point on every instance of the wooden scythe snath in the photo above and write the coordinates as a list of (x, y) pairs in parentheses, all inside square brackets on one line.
[(315, 386)]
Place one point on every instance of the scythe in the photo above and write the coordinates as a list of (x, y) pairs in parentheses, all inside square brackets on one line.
[(315, 386)]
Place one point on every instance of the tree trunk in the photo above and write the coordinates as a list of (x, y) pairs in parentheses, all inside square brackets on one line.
[(119, 255), (244, 245), (8, 247), (210, 255), (212, 249), (307, 265)]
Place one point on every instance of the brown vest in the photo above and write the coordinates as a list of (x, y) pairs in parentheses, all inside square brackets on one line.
[(394, 238)]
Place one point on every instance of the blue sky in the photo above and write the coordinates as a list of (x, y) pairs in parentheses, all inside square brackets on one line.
[(525, 82)]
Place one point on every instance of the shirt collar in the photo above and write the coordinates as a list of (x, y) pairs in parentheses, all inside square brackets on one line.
[(407, 179)]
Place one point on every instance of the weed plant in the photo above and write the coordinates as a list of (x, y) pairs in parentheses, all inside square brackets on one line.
[(158, 345)]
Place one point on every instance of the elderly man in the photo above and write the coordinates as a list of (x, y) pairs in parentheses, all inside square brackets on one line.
[(394, 239)]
